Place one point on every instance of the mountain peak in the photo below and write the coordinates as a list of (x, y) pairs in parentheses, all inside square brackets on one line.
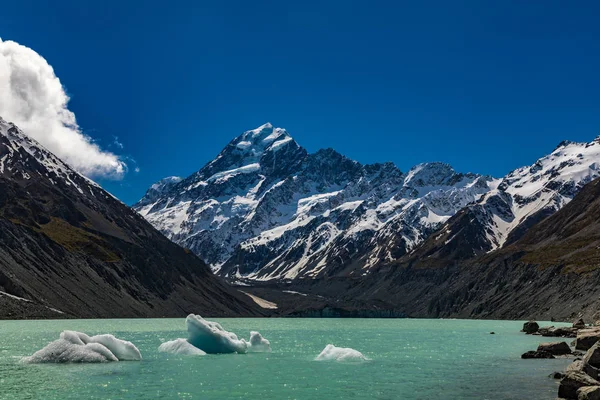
[(428, 174), (260, 137)]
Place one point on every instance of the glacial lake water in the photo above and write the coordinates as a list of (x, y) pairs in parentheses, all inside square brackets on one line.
[(409, 359)]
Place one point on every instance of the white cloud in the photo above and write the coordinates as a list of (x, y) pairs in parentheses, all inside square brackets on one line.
[(117, 143), (32, 97)]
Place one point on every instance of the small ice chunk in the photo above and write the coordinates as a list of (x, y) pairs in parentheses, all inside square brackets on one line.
[(258, 344), (212, 338), (180, 346), (332, 353), (79, 347)]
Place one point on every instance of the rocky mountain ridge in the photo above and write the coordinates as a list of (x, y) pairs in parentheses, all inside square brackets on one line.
[(70, 249), (266, 209)]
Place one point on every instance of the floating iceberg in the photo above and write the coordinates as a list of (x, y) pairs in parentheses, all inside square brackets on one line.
[(180, 346), (258, 344), (210, 337), (79, 347), (332, 353)]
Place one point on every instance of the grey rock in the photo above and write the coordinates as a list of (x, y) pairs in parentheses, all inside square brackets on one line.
[(555, 348), (557, 375), (580, 366), (588, 393), (586, 338), (572, 381), (592, 357), (579, 324), (530, 327), (565, 332), (537, 354)]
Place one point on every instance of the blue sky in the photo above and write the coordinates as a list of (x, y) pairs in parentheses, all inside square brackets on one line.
[(484, 86)]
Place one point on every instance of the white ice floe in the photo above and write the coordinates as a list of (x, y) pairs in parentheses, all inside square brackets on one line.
[(258, 343), (79, 347), (210, 337), (180, 346), (332, 353)]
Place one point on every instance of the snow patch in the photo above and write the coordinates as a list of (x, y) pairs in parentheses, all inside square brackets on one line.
[(223, 176)]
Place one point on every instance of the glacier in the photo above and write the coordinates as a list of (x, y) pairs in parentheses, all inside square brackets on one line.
[(77, 347)]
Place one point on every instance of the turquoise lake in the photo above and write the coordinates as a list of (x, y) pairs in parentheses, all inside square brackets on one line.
[(409, 359)]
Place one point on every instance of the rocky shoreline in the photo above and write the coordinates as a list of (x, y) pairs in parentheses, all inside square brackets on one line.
[(581, 380)]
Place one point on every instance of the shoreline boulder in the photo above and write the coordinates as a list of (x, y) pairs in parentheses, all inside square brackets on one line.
[(592, 357), (581, 366), (536, 354), (588, 393), (586, 338), (561, 331), (557, 375), (555, 348), (530, 327), (579, 324), (572, 381)]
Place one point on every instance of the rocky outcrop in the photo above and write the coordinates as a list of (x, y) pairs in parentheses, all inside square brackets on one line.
[(555, 348), (579, 324), (586, 338), (70, 249), (537, 354), (561, 331), (581, 377), (573, 381), (581, 366), (530, 327), (588, 393), (592, 357)]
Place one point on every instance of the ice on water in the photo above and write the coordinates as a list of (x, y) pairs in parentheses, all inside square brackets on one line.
[(210, 337), (180, 346), (79, 347), (333, 353), (258, 343)]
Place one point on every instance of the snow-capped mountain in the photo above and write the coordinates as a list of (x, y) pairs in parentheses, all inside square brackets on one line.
[(266, 209), (523, 198), (69, 248), (18, 151)]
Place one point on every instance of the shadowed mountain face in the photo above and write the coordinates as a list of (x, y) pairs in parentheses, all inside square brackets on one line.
[(68, 248), (552, 271)]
